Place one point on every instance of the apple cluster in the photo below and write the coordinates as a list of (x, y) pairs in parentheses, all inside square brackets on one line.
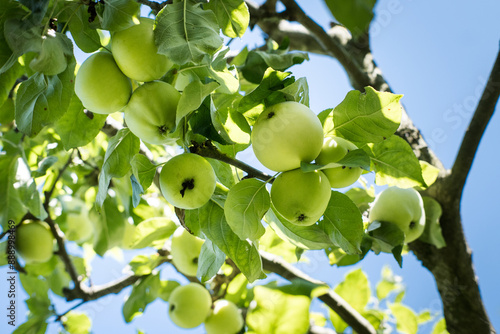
[(104, 83), (287, 134), (191, 305)]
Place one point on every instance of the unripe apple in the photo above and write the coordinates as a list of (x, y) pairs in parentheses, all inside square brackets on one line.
[(101, 86), (187, 181), (189, 305), (301, 197), (334, 149), (286, 134), (136, 54), (402, 207), (226, 318), (185, 251), (34, 241), (150, 113)]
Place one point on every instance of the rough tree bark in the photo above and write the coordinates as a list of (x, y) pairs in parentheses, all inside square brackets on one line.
[(452, 265)]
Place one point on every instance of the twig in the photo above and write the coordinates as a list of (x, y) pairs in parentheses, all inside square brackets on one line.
[(59, 317), (477, 126), (331, 298), (208, 150)]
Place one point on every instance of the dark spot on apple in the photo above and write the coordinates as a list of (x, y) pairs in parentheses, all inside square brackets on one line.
[(301, 217), (172, 308), (187, 184), (195, 260), (412, 225), (350, 167), (270, 115), (162, 129), (343, 167)]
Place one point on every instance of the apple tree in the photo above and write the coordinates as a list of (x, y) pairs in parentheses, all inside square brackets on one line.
[(137, 147)]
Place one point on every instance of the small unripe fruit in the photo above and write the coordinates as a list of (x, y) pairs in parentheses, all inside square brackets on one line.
[(226, 318), (189, 305), (101, 86), (286, 134), (136, 54), (334, 149), (301, 197), (34, 241)]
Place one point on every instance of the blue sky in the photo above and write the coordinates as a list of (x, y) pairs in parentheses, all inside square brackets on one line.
[(438, 54)]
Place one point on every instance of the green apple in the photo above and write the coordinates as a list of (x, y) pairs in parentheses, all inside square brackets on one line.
[(101, 86), (136, 54), (402, 207), (226, 318), (79, 227), (334, 149), (34, 241), (185, 251), (187, 181), (150, 113), (189, 305), (301, 197), (286, 134)]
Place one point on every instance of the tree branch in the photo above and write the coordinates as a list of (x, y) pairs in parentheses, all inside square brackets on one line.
[(475, 131), (331, 298), (208, 150)]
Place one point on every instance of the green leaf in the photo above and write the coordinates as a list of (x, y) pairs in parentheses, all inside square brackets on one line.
[(201, 123), (297, 91), (253, 103), (152, 231), (34, 325), (429, 172), (258, 62), (121, 148), (76, 127), (42, 100), (44, 165), (306, 237), (384, 288), (143, 293), (244, 254), (247, 203), (228, 122), (52, 58), (77, 323), (59, 279), (387, 236), (210, 260), (440, 327), (270, 242), (432, 233), (31, 198), (355, 289), (232, 15), (143, 170), (276, 312), (119, 14), (406, 319), (143, 264), (21, 36), (343, 223), (395, 164), (110, 226), (185, 32), (11, 205), (86, 38), (361, 197), (424, 316), (367, 118), (7, 81), (355, 15), (193, 96), (354, 159), (166, 288)]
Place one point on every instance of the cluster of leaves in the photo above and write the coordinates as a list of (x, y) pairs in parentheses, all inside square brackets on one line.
[(51, 146)]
